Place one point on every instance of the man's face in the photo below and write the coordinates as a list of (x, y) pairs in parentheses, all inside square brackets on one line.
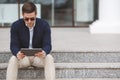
[(29, 18)]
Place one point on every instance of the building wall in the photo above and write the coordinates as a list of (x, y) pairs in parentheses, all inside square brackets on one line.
[(66, 12)]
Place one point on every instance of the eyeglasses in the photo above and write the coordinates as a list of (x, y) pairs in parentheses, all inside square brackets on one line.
[(31, 19)]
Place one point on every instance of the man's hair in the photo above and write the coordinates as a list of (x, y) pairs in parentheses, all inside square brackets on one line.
[(29, 7)]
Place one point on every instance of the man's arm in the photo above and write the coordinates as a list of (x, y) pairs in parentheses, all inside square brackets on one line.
[(14, 40), (47, 39)]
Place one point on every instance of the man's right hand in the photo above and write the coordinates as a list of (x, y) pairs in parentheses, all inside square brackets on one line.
[(20, 55)]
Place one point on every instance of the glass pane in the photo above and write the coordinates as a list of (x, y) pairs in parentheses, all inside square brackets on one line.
[(8, 12), (63, 13), (56, 12), (84, 13)]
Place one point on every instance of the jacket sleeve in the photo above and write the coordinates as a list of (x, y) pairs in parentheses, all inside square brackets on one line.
[(14, 40), (47, 39)]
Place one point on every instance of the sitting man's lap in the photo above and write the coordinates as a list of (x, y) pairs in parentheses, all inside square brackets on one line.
[(31, 61)]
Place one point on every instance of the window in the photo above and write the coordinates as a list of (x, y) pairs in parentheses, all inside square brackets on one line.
[(8, 12), (62, 13)]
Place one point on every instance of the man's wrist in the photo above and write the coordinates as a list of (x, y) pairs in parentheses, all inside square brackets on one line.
[(18, 54), (44, 52)]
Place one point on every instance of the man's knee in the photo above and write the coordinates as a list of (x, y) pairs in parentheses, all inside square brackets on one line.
[(13, 59), (49, 57), (25, 62), (13, 63), (38, 62)]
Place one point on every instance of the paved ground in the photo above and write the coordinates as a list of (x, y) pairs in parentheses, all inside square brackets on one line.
[(72, 39)]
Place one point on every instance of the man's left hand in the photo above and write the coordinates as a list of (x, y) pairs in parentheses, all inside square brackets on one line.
[(40, 54)]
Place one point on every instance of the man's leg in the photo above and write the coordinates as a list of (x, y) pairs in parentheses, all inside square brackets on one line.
[(38, 62), (13, 66), (12, 69), (49, 68), (24, 63)]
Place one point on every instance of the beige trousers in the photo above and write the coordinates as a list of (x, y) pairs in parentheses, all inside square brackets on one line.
[(15, 64)]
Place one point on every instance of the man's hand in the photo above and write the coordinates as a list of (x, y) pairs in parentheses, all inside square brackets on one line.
[(40, 54), (20, 55)]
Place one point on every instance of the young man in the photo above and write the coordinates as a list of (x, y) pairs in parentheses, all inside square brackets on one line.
[(30, 32)]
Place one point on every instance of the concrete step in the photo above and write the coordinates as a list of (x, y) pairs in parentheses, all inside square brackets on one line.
[(70, 70), (87, 56), (76, 57), (76, 79), (76, 65)]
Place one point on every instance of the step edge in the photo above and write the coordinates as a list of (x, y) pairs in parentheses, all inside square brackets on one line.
[(78, 65), (76, 79), (80, 51), (88, 65)]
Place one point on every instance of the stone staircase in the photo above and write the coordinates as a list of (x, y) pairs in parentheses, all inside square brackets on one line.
[(79, 65), (78, 56)]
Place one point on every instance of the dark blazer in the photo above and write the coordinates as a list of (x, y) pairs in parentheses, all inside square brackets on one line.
[(20, 36)]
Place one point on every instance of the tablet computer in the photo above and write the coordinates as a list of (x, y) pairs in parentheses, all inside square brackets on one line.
[(30, 52)]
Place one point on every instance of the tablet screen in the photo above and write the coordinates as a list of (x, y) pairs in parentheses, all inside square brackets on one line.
[(30, 52)]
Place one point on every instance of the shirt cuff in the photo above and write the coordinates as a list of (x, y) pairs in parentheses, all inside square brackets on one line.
[(44, 52)]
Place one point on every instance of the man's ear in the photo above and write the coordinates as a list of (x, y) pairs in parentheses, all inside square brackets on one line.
[(22, 14)]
